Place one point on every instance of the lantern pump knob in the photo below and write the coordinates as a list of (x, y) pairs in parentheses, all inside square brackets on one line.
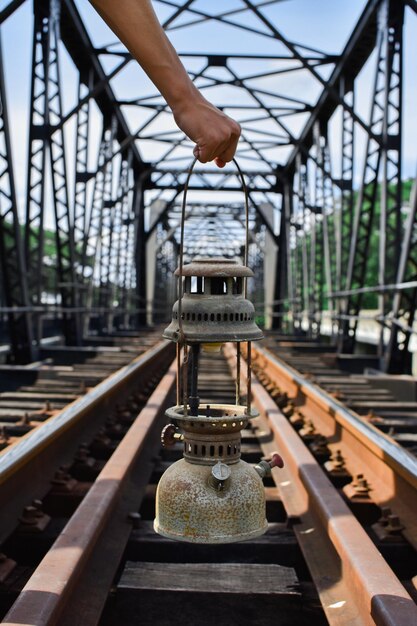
[(170, 435), (264, 467)]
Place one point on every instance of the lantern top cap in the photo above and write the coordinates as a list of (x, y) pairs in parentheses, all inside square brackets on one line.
[(213, 267)]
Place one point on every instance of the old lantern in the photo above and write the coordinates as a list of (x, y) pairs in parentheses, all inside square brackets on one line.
[(211, 495)]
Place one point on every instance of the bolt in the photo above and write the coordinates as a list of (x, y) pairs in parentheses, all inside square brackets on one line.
[(338, 460), (37, 504), (320, 444), (385, 513), (29, 516), (134, 518), (297, 419), (25, 421), (394, 526), (81, 455), (308, 430), (61, 477), (361, 485)]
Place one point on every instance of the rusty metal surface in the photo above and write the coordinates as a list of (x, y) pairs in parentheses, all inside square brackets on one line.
[(215, 267), (207, 318), (51, 588), (389, 469), (27, 466), (354, 582), (190, 509)]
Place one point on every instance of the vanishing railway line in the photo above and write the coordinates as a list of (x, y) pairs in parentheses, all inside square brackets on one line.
[(77, 498)]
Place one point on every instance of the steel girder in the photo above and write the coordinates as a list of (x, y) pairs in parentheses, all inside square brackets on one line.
[(339, 237), (405, 297), (13, 275), (47, 145), (77, 228), (383, 151)]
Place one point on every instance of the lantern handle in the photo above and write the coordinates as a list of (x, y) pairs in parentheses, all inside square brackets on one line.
[(181, 263)]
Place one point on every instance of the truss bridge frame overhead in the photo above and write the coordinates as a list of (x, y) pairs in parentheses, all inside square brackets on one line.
[(93, 168)]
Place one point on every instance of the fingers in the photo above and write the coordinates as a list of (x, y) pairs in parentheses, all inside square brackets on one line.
[(215, 134), (229, 152), (221, 152), (207, 153), (219, 162)]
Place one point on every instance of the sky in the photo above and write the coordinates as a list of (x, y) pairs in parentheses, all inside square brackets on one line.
[(325, 24)]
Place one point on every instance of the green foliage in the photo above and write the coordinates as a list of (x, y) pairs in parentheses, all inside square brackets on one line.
[(369, 301)]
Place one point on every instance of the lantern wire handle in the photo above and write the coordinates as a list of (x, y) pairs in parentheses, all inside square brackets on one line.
[(181, 260)]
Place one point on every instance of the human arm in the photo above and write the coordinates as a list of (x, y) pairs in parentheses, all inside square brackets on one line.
[(136, 25)]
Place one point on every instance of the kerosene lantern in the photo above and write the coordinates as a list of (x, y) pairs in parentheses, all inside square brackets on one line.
[(211, 495)]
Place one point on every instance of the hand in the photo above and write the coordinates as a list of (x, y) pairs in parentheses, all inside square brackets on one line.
[(216, 135)]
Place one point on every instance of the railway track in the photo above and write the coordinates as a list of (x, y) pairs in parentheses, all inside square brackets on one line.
[(375, 467), (388, 402), (34, 393), (90, 555)]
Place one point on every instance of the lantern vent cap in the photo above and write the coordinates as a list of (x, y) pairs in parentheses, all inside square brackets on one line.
[(213, 267)]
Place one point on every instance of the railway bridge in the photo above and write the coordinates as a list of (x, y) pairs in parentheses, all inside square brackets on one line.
[(141, 291)]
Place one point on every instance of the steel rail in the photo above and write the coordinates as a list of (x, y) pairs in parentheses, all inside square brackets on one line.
[(23, 473), (355, 584), (51, 589), (390, 469)]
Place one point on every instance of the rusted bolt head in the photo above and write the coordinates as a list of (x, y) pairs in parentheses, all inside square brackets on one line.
[(362, 486), (81, 454), (37, 504), (385, 513), (134, 517), (29, 515), (394, 524), (338, 459)]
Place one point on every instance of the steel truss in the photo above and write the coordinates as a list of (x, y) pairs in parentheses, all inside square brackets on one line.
[(13, 274), (102, 215)]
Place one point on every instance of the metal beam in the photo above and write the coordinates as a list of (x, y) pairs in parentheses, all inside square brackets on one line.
[(353, 58), (77, 41)]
